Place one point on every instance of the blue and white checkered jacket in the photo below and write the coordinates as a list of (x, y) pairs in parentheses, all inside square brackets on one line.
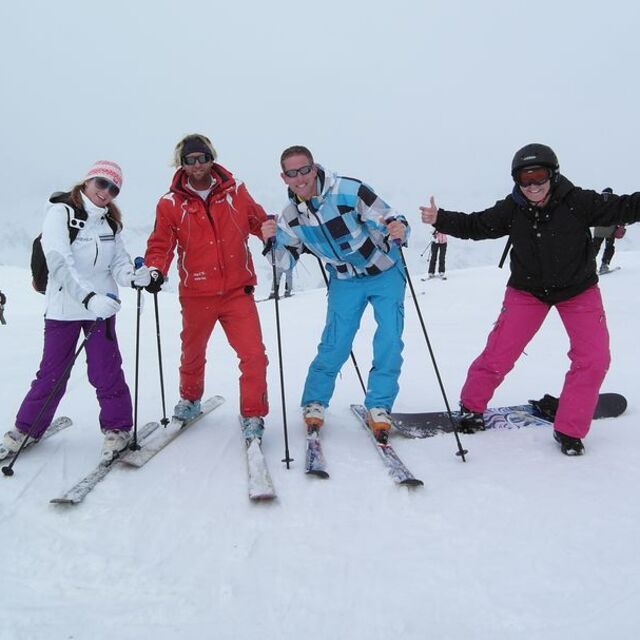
[(341, 226)]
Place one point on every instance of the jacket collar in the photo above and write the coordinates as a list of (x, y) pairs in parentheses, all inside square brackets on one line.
[(224, 181)]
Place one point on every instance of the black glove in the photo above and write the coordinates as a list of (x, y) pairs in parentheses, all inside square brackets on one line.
[(3, 299), (156, 281)]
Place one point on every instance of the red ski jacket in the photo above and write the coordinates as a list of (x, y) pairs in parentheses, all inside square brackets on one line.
[(212, 236)]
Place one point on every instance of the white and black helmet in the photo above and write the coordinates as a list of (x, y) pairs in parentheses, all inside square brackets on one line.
[(535, 155)]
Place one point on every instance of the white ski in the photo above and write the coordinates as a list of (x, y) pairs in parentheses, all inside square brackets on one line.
[(260, 483), (79, 491), (164, 436)]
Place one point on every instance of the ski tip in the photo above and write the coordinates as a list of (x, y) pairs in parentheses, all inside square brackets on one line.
[(263, 497), (412, 482), (318, 473)]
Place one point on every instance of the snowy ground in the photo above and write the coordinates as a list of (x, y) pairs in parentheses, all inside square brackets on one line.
[(518, 542)]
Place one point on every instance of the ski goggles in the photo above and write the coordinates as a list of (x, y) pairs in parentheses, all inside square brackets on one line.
[(201, 159), (303, 171), (533, 175), (103, 183)]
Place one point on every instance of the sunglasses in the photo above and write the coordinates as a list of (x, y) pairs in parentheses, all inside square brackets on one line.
[(201, 159), (102, 184), (303, 171), (533, 176)]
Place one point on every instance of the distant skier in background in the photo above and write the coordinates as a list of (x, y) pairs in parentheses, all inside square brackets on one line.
[(3, 301), (208, 215), (608, 235), (345, 223), (438, 252), (547, 220), (82, 277), (288, 283)]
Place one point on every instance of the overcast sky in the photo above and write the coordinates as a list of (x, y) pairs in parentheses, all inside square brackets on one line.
[(415, 97)]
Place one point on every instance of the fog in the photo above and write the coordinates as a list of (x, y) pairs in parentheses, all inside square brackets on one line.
[(413, 97)]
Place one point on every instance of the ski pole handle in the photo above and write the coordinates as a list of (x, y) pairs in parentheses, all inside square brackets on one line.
[(396, 241), (138, 262), (270, 242)]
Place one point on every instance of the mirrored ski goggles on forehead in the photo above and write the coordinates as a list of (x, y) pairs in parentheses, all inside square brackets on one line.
[(533, 175), (303, 171), (201, 159), (102, 184)]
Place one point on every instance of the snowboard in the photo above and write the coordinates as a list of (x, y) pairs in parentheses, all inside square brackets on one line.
[(425, 425)]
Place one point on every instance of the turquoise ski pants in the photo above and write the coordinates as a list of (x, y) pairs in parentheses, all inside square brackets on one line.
[(347, 302)]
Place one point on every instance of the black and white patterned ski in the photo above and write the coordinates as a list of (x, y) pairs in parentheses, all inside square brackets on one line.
[(397, 469), (55, 427), (79, 491), (163, 437), (315, 463)]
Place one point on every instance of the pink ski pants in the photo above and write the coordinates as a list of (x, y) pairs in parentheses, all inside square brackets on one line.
[(521, 316)]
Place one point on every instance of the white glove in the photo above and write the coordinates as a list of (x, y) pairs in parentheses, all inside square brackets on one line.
[(141, 277), (103, 306)]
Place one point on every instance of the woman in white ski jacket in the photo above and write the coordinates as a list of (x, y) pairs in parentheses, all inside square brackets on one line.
[(85, 257)]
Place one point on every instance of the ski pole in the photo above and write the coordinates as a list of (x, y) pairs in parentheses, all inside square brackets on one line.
[(134, 446), (165, 421), (461, 452), (287, 458), (353, 357), (425, 249), (8, 470)]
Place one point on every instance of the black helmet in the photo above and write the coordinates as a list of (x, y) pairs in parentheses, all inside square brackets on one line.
[(535, 155)]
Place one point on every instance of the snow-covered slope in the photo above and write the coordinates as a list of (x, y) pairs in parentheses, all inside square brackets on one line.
[(518, 542)]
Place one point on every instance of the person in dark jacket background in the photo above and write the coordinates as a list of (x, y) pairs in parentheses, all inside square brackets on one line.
[(608, 236), (547, 220)]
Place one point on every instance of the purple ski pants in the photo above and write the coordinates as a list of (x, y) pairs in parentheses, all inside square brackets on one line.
[(104, 369), (522, 315)]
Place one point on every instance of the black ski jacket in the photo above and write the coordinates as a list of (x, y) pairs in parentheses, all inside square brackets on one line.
[(551, 255)]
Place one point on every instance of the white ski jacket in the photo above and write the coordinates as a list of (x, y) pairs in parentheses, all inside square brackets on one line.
[(94, 261)]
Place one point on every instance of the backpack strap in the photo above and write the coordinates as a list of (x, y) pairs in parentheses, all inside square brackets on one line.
[(76, 217), (75, 221)]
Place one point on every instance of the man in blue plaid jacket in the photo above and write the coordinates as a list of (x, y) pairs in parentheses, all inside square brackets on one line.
[(358, 236)]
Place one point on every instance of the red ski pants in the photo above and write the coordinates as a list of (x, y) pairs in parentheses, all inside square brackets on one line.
[(236, 311), (521, 316)]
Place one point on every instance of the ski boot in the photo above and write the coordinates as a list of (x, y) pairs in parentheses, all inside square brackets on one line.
[(252, 428), (470, 421), (313, 414), (115, 441), (186, 410), (546, 407), (13, 440), (568, 445), (379, 420)]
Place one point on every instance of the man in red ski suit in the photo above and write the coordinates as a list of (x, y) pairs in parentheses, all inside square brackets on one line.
[(208, 215)]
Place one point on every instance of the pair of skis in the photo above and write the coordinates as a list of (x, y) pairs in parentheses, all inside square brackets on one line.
[(315, 463), (152, 439)]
